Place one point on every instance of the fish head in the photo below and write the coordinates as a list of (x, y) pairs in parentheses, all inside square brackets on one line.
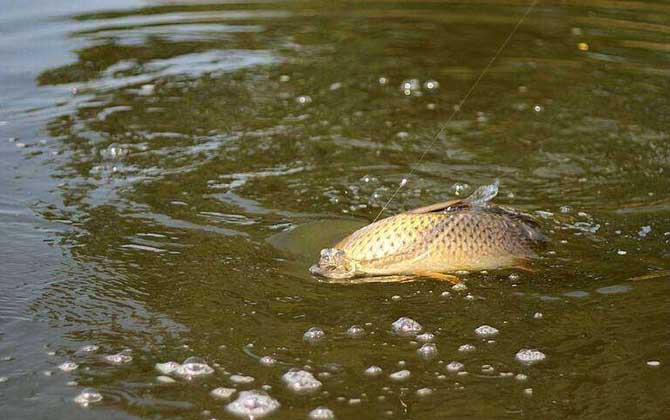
[(334, 264)]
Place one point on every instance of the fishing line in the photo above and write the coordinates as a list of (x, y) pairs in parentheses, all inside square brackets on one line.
[(458, 107)]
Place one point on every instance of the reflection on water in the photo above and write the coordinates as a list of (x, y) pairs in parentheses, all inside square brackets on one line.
[(189, 160)]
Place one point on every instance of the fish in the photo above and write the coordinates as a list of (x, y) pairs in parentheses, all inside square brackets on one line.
[(470, 234)]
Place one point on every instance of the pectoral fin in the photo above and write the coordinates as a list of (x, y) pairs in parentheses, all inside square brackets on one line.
[(439, 276)]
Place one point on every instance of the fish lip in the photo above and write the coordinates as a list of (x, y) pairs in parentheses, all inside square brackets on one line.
[(329, 274)]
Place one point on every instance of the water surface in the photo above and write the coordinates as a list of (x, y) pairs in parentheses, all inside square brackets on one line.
[(171, 169)]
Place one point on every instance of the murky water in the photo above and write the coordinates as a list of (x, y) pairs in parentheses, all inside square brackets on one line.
[(170, 171)]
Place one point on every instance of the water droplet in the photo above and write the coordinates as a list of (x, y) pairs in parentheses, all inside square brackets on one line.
[(321, 413), (355, 331), (406, 326), (427, 351), (68, 366), (373, 371), (301, 381), (455, 366), (253, 405), (486, 331), (401, 375), (530, 356), (314, 335), (88, 396), (223, 393)]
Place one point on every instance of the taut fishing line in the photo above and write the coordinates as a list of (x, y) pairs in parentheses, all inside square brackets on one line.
[(459, 106)]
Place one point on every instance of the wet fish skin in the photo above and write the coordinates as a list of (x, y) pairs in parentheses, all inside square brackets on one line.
[(446, 237)]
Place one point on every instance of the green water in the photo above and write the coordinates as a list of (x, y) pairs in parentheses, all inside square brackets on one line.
[(169, 171)]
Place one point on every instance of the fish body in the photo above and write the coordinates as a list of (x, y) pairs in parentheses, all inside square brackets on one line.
[(469, 234)]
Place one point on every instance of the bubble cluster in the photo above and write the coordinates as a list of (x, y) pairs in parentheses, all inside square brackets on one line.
[(68, 366), (530, 356), (223, 393), (253, 405), (268, 361), (406, 326), (301, 381), (119, 358), (466, 348)]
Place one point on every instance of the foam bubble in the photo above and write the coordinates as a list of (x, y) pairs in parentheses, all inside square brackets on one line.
[(193, 367), (119, 358), (68, 366), (253, 404), (241, 379), (427, 351), (486, 331), (222, 393), (88, 396), (301, 381), (401, 375), (406, 326), (89, 348), (314, 335), (167, 367), (425, 337), (321, 413), (530, 356), (355, 331), (373, 371), (466, 348), (268, 361), (455, 366)]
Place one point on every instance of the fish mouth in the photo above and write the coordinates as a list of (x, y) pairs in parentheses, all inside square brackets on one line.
[(330, 272)]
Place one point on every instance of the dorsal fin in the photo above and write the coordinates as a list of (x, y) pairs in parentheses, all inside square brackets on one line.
[(438, 207)]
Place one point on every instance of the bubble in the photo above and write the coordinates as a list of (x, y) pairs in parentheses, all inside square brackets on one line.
[(513, 277), (610, 290), (314, 335), (455, 366), (241, 379), (165, 379), (193, 367), (321, 413), (89, 348), (466, 348), (303, 99), (395, 298), (425, 337), (167, 367), (284, 78), (147, 90), (621, 252), (488, 369), (382, 80), (424, 392), (403, 182), (222, 393), (538, 315), (583, 46), (528, 391), (301, 381), (530, 356), (3, 379), (119, 358), (445, 294), (653, 363), (644, 231), (537, 108), (427, 351), (88, 396), (406, 326), (335, 86), (355, 331), (373, 371), (521, 377), (401, 375), (486, 331), (253, 405), (354, 401), (268, 361), (459, 287), (68, 366), (431, 84)]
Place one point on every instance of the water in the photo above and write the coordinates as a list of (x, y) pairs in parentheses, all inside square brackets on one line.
[(169, 171)]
